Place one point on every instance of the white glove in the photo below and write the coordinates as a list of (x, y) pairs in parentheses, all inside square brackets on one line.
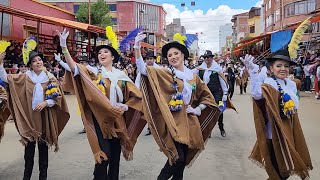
[(195, 111), (224, 97), (57, 57), (137, 40), (248, 62), (63, 38), (123, 107)]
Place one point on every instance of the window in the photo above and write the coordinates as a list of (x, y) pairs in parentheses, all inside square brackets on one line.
[(277, 16), (114, 20), (76, 8), (270, 20), (301, 7), (269, 4), (252, 29), (112, 7)]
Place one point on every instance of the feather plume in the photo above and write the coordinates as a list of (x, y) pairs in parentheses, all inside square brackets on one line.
[(179, 38), (112, 37), (129, 39), (29, 45), (4, 45), (296, 38)]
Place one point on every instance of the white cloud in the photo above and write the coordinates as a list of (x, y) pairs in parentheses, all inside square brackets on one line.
[(259, 4), (206, 22)]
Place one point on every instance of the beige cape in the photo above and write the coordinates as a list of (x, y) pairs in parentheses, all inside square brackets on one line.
[(167, 126), (113, 122), (31, 125), (288, 141)]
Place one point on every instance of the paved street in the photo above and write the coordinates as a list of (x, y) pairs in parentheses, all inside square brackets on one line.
[(223, 158)]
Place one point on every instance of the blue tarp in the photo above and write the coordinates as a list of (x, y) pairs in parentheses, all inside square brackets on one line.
[(280, 40)]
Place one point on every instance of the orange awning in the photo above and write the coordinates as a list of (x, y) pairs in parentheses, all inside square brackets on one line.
[(246, 44), (51, 20), (143, 44)]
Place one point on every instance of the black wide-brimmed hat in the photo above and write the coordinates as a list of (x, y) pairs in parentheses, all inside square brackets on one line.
[(208, 53), (33, 54), (114, 52), (282, 54), (150, 54), (177, 45)]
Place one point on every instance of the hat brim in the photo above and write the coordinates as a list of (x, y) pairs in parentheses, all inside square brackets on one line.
[(114, 52), (177, 45), (281, 57), (34, 55), (151, 56)]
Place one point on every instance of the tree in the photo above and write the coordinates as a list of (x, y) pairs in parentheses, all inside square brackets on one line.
[(99, 14)]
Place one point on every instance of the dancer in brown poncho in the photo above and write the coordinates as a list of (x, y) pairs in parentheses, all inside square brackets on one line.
[(110, 106), (281, 147), (4, 111), (38, 117), (242, 79), (180, 110)]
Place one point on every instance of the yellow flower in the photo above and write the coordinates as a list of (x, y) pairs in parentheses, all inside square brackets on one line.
[(172, 103), (48, 92)]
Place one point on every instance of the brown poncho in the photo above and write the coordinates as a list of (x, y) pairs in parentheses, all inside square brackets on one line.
[(112, 121), (4, 111), (32, 125), (167, 126), (240, 81), (291, 151)]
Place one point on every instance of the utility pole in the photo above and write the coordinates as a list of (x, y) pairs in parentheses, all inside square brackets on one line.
[(89, 13)]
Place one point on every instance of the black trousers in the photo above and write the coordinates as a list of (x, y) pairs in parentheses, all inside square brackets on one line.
[(231, 83), (243, 88), (29, 152), (176, 170), (218, 97), (112, 148), (273, 159)]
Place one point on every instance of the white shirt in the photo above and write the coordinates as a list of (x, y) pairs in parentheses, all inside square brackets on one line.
[(288, 86), (214, 68), (38, 92)]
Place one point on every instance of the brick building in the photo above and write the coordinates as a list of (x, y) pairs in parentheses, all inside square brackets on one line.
[(240, 26)]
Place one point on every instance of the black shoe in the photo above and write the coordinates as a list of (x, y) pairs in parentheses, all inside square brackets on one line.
[(82, 132), (223, 133), (148, 133)]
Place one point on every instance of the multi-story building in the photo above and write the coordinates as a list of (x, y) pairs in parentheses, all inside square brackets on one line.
[(224, 32), (254, 22), (240, 26), (128, 15), (280, 14), (174, 27)]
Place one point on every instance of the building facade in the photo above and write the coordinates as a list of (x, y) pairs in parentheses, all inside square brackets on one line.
[(128, 15), (280, 14), (224, 32), (174, 27), (19, 29), (254, 22), (240, 27)]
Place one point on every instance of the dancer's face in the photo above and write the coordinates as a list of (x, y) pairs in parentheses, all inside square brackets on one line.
[(150, 61), (280, 69), (105, 56), (208, 60), (37, 64), (175, 58), (23, 69)]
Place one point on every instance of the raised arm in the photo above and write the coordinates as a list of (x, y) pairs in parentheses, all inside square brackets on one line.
[(63, 43), (3, 73), (57, 57), (256, 78), (137, 51)]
